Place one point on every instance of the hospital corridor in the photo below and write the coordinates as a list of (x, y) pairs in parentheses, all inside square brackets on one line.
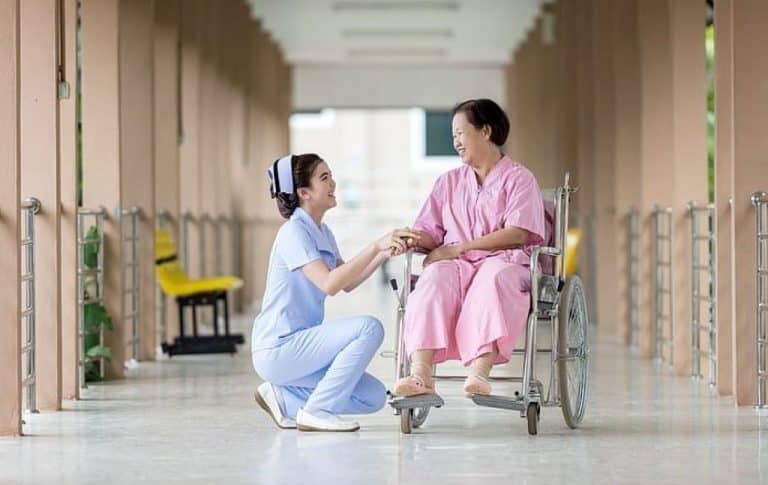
[(384, 241)]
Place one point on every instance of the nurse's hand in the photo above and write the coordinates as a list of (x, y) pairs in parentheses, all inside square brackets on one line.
[(395, 241), (444, 252)]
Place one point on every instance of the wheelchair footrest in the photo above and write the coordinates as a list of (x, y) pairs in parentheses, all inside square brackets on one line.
[(500, 402), (414, 402)]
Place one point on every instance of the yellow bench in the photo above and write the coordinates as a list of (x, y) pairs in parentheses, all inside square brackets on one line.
[(194, 292)]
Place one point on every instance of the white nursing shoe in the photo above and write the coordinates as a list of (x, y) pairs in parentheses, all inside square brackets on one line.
[(265, 397), (308, 422)]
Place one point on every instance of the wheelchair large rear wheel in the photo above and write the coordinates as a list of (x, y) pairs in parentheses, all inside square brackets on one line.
[(573, 352)]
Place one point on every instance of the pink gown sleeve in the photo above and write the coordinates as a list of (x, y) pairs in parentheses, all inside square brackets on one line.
[(430, 218), (525, 208)]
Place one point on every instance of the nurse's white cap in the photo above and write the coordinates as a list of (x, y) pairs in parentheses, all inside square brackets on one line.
[(281, 176)]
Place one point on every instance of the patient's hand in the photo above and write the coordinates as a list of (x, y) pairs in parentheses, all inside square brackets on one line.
[(443, 252)]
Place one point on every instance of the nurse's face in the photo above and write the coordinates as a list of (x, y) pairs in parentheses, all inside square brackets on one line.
[(469, 142), (321, 193)]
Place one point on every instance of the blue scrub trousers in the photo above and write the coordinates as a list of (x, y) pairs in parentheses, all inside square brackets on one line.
[(322, 369)]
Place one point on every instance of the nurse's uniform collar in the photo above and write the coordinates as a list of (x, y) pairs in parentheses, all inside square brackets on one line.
[(318, 232)]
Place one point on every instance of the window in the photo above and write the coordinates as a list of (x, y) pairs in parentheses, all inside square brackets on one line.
[(437, 132)]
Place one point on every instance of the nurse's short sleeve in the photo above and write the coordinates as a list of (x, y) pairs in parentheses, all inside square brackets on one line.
[(296, 247), (430, 218), (525, 207)]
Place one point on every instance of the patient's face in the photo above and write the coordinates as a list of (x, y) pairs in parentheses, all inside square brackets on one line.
[(468, 141)]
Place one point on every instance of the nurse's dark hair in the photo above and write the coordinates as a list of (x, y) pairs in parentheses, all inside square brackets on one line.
[(303, 167), (484, 112)]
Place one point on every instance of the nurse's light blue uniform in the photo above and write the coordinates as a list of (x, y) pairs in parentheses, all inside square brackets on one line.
[(314, 365)]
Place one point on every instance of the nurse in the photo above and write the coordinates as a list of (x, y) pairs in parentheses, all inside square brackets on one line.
[(478, 225), (314, 371)]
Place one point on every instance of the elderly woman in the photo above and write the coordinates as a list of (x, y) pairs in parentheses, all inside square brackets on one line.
[(478, 225)]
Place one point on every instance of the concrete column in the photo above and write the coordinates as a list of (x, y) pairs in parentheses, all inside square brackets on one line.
[(267, 139), (10, 183), (68, 172), (689, 162), (604, 126), (40, 178), (209, 124), (511, 84), (189, 149), (118, 157), (167, 129), (627, 150), (101, 153), (584, 171), (581, 19), (657, 150), (750, 173), (137, 170), (724, 191)]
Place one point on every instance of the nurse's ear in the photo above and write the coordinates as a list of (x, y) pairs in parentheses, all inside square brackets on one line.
[(304, 193)]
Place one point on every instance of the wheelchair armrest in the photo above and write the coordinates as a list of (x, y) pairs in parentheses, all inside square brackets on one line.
[(536, 271)]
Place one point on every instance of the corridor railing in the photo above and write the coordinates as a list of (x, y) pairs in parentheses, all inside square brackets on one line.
[(760, 202), (203, 220), (130, 266), (703, 266), (664, 281), (219, 224), (90, 283), (186, 219), (29, 208), (163, 221), (633, 275)]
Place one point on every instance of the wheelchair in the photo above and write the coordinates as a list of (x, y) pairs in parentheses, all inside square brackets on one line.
[(556, 298)]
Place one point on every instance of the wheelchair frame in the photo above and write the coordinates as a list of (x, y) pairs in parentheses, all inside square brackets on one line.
[(546, 304)]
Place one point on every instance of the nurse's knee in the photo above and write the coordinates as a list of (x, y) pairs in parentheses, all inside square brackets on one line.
[(373, 329), (372, 393)]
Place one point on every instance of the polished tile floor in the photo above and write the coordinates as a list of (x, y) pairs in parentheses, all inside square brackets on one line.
[(193, 420)]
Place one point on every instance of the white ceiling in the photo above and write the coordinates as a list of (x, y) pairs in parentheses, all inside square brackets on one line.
[(423, 32)]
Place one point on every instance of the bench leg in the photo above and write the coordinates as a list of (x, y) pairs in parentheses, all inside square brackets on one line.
[(216, 317), (226, 314), (194, 319), (181, 317)]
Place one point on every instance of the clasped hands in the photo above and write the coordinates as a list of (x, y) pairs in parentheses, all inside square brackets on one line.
[(400, 240)]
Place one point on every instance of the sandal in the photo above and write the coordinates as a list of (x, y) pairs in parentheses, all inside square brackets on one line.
[(475, 384), (412, 385)]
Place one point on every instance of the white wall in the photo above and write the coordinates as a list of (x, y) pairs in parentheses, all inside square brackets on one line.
[(357, 86)]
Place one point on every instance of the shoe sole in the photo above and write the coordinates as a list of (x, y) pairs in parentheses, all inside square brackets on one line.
[(311, 429), (263, 405)]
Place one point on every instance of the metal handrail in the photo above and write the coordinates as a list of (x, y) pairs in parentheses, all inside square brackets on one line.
[(760, 202), (710, 326), (633, 274), (133, 312), (29, 208), (220, 221), (663, 239), (164, 218), (86, 276), (202, 220)]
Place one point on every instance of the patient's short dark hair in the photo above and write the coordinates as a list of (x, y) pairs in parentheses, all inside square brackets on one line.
[(484, 112)]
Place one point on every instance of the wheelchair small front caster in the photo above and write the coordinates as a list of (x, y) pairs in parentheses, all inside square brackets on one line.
[(533, 415)]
